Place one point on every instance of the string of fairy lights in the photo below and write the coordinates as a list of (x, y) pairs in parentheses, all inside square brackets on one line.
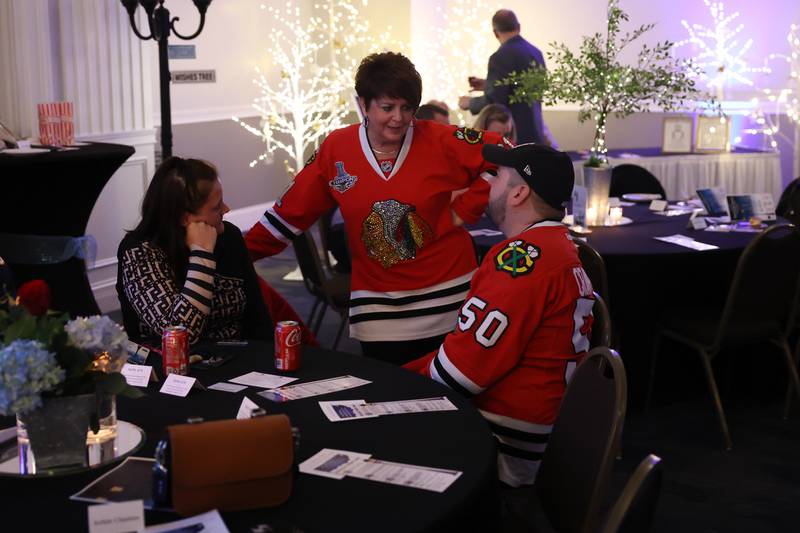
[(315, 54), (305, 91)]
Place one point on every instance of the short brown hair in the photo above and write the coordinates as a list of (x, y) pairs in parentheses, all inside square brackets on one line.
[(505, 21), (388, 74)]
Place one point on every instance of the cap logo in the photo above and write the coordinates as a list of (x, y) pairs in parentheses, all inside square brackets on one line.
[(527, 170)]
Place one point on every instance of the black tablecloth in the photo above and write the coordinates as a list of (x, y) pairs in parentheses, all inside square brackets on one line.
[(646, 276), (458, 440), (54, 194)]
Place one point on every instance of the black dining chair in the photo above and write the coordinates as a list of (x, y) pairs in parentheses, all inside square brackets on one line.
[(760, 308), (575, 472), (333, 241), (330, 289), (601, 325), (633, 178), (636, 505), (595, 267), (789, 204)]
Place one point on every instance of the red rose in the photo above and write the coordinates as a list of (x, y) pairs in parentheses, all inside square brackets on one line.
[(34, 295)]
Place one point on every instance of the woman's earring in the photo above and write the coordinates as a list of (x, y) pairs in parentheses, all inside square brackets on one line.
[(366, 121)]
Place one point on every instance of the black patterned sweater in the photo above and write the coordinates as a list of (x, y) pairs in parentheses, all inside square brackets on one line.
[(220, 299)]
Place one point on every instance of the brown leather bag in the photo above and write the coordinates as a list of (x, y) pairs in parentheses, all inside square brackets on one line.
[(231, 464)]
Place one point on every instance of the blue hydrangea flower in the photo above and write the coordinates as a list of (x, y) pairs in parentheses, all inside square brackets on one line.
[(99, 333), (26, 370)]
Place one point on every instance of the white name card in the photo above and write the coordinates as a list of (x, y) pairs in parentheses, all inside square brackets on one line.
[(658, 205), (137, 375), (116, 517), (699, 223), (178, 385), (246, 409), (24, 144)]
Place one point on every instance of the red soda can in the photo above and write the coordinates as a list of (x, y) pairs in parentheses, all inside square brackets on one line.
[(287, 345), (175, 350)]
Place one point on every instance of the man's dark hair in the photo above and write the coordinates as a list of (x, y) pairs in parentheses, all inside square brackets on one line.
[(388, 74), (179, 186), (428, 112), (505, 21)]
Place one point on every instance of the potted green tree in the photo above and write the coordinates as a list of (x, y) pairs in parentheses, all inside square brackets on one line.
[(596, 79)]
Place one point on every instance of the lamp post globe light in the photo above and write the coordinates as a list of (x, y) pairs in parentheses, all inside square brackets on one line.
[(160, 25)]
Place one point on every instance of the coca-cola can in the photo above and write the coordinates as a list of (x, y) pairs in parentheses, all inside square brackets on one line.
[(175, 350), (287, 345)]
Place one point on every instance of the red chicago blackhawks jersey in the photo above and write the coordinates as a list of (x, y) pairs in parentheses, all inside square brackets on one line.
[(411, 265), (523, 327)]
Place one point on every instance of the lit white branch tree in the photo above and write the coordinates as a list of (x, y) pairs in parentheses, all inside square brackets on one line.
[(460, 48), (721, 59), (316, 55)]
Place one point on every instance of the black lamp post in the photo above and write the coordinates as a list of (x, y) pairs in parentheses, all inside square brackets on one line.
[(160, 26)]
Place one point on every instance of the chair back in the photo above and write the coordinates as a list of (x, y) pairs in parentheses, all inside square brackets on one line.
[(325, 224), (305, 249), (634, 509), (595, 267), (789, 204), (633, 178), (764, 293), (601, 324), (576, 468)]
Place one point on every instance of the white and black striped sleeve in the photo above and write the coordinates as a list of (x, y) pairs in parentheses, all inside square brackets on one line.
[(199, 285)]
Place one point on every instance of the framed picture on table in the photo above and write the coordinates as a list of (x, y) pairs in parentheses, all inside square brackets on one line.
[(676, 135), (712, 134)]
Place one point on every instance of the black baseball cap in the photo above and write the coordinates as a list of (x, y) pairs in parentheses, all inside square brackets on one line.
[(547, 171)]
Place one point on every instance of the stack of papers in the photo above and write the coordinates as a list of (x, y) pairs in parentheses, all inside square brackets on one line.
[(337, 464), (336, 411)]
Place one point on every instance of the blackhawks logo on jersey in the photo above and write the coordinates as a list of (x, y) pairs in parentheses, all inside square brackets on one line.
[(517, 258), (394, 232), (469, 135)]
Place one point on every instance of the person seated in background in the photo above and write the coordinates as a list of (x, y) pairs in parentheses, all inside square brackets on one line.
[(432, 112), (182, 265), (527, 319), (497, 118)]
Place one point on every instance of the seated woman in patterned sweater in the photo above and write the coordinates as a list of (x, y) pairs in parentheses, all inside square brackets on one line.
[(183, 265)]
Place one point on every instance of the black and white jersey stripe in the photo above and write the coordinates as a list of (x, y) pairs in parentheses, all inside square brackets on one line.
[(406, 315), (278, 227), (520, 448), (446, 373)]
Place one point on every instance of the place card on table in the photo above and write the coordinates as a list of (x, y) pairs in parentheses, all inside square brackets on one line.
[(227, 387), (688, 242), (336, 411), (313, 388), (138, 375), (177, 385), (116, 517), (246, 409), (698, 223), (331, 463), (261, 380), (658, 205)]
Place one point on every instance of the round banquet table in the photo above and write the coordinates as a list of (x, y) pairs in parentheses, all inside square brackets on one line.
[(458, 440), (647, 276), (53, 194)]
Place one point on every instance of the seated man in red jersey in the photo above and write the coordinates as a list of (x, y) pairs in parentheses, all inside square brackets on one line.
[(527, 319)]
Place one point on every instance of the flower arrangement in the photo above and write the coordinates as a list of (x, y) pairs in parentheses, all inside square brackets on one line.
[(44, 354), (596, 79)]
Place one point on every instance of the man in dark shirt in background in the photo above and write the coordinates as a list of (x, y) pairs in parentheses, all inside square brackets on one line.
[(514, 54)]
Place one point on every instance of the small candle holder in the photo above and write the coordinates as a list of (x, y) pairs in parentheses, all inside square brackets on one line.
[(615, 216)]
